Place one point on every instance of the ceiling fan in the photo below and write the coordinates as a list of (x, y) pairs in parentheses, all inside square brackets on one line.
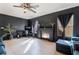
[(27, 6)]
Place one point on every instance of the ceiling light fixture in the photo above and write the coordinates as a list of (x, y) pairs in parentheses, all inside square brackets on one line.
[(27, 6)]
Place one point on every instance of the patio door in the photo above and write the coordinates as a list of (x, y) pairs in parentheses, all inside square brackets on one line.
[(69, 27), (65, 25)]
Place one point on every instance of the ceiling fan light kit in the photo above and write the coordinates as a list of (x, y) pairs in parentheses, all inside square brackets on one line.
[(27, 6)]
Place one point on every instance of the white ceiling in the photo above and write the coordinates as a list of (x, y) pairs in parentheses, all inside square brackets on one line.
[(43, 9)]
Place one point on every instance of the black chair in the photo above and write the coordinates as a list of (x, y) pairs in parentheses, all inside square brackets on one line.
[(20, 33)]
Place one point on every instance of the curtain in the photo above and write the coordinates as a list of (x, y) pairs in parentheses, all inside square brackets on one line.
[(64, 19)]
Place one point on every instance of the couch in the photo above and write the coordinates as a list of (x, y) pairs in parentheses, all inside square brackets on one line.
[(68, 45), (64, 46), (2, 46)]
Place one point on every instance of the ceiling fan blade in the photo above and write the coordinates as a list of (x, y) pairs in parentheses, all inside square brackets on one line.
[(35, 6), (31, 10), (17, 6)]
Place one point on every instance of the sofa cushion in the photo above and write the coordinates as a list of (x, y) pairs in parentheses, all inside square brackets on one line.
[(2, 50), (64, 42), (64, 46), (75, 38), (67, 38)]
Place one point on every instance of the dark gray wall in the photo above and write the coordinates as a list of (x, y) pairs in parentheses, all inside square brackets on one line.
[(75, 12), (76, 23), (17, 23), (44, 20)]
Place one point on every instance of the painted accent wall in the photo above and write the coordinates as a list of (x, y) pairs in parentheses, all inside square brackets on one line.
[(17, 23), (44, 20)]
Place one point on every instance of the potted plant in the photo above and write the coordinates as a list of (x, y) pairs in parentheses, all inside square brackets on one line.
[(8, 30)]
